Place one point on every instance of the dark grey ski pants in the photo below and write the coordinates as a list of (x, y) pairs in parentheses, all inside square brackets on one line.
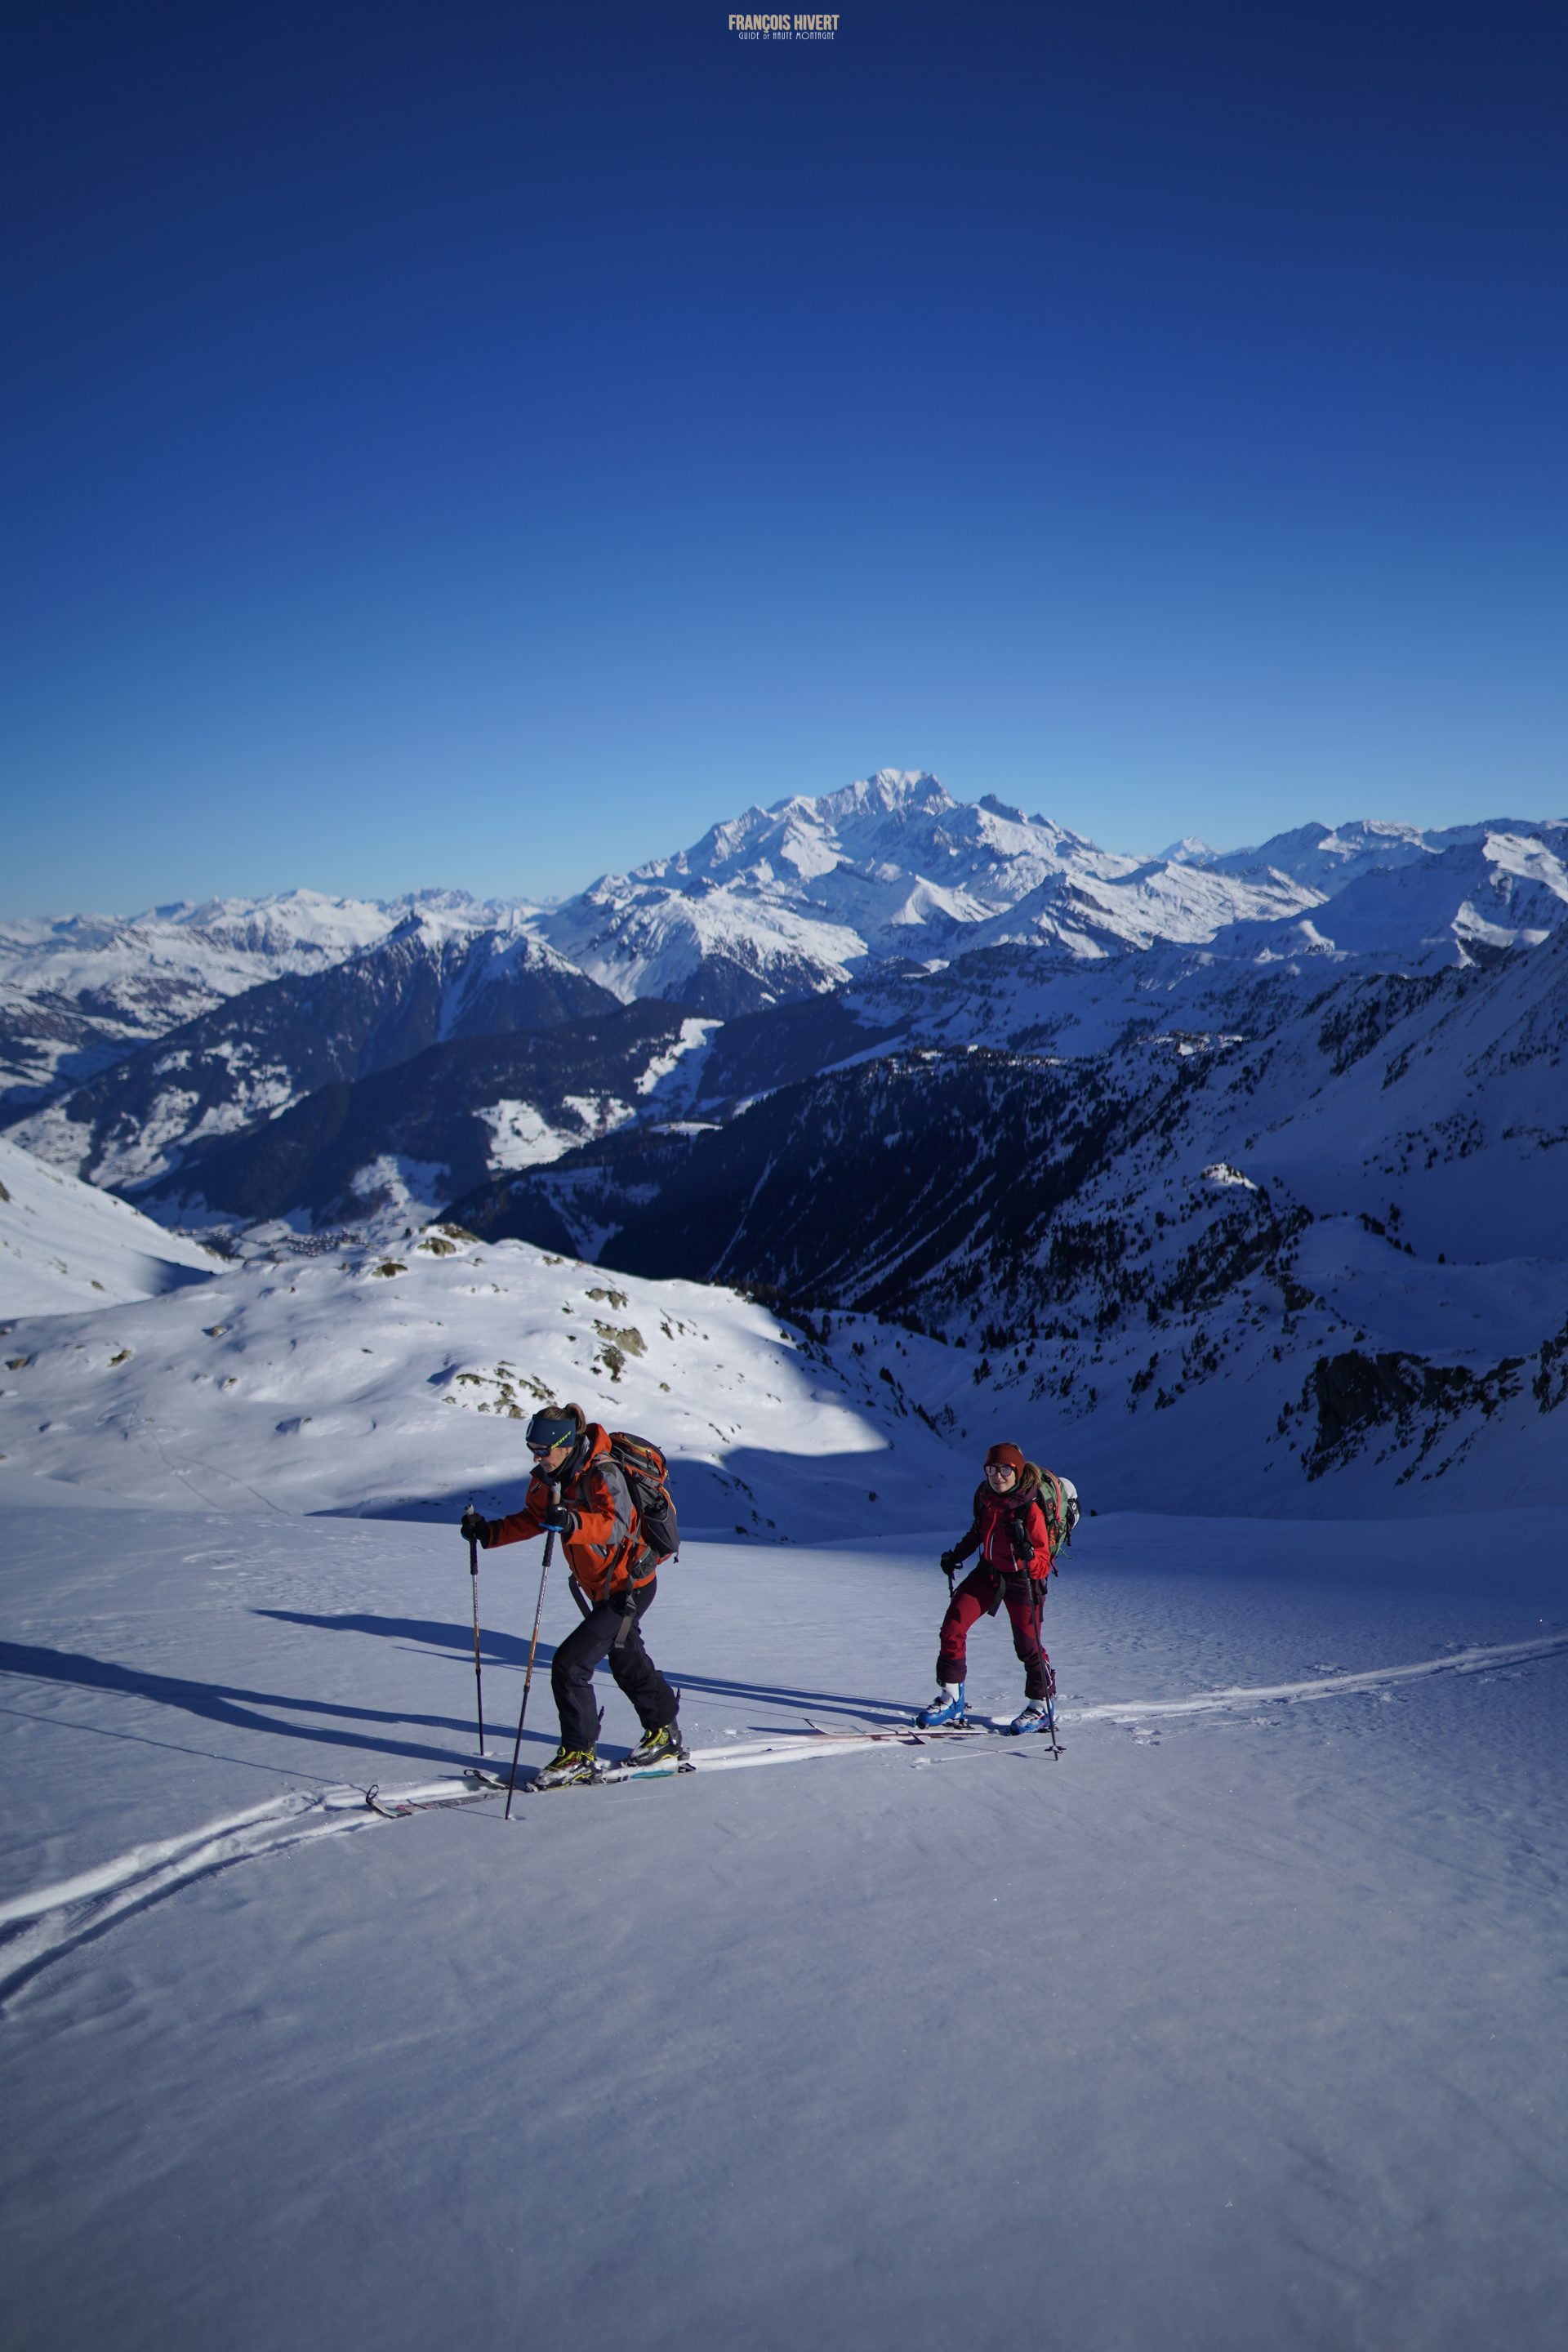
[(605, 1632)]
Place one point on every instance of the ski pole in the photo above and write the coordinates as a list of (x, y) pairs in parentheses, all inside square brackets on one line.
[(1050, 1695), (478, 1682), (528, 1678)]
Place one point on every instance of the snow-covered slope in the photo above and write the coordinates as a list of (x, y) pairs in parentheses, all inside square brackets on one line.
[(392, 1384), (65, 1247), (1460, 905), (1163, 902), (1241, 2025), (1326, 857)]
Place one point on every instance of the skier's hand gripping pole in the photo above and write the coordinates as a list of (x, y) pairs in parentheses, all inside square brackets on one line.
[(533, 1644)]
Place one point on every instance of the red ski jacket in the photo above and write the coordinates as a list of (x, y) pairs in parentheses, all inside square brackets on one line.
[(1009, 1530), (604, 1549)]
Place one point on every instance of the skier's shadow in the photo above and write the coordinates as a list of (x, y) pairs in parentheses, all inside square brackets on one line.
[(511, 1650), (240, 1709)]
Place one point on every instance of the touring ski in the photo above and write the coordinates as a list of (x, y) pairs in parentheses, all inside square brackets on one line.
[(603, 1775), (396, 1804)]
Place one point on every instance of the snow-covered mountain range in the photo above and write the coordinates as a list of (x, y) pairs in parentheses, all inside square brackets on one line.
[(196, 1024), (1062, 1115), (809, 892), (797, 899), (1320, 1235), (79, 993), (234, 1068)]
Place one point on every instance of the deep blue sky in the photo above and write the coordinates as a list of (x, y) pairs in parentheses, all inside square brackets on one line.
[(486, 444)]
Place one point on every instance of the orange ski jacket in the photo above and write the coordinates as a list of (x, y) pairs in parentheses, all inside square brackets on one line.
[(604, 1548)]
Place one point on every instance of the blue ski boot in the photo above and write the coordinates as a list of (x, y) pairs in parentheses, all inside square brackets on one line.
[(1033, 1716), (947, 1707)]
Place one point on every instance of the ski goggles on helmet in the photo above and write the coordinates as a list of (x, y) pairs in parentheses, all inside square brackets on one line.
[(546, 1431)]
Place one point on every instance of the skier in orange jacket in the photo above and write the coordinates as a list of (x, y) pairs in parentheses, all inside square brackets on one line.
[(579, 1494)]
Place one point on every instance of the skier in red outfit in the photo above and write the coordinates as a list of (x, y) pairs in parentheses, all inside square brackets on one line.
[(1013, 1534)]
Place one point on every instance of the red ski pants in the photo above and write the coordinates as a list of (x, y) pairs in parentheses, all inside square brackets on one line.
[(978, 1596)]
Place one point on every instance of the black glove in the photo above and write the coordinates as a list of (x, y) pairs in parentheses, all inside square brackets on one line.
[(950, 1560), (558, 1520), (473, 1529)]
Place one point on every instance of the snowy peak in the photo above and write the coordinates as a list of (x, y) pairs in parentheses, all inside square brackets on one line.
[(1326, 857), (793, 898), (1459, 904), (1189, 851), (897, 822), (802, 839)]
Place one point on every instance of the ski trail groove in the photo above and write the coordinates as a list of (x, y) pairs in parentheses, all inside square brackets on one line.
[(1457, 1661), (38, 1928)]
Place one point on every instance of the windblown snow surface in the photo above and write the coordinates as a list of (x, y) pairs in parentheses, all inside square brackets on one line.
[(1243, 2023)]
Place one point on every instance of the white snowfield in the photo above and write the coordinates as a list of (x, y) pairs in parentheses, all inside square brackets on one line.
[(64, 1244), (1242, 2023)]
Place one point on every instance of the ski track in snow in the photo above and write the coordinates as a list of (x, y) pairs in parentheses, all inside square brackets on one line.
[(39, 1928), (1457, 1661)]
